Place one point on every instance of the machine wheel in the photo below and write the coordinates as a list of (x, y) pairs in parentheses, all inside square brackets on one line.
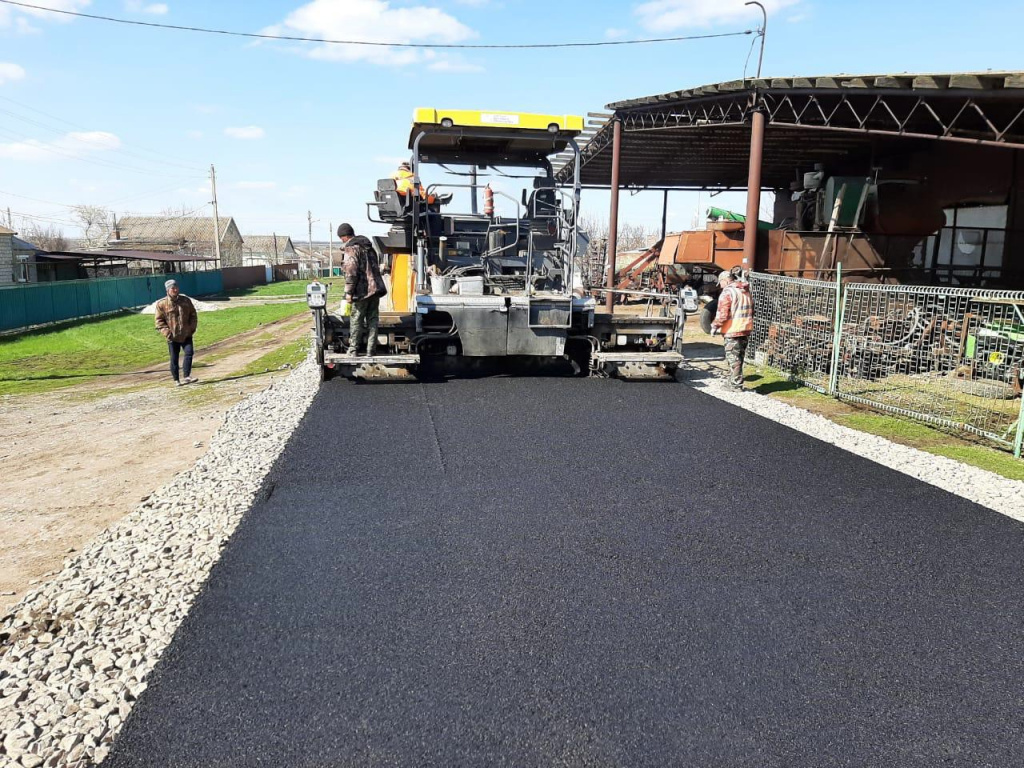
[(326, 374), (707, 317)]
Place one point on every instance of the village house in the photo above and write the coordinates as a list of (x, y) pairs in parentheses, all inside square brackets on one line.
[(192, 236), (268, 250)]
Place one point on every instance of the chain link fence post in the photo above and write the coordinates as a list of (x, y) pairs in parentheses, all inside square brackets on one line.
[(1018, 446), (837, 332)]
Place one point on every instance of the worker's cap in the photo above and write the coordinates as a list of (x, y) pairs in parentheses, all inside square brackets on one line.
[(406, 165), (345, 230), (724, 277), (170, 284)]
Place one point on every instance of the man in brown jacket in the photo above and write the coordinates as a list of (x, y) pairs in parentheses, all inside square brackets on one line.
[(177, 320), (364, 287)]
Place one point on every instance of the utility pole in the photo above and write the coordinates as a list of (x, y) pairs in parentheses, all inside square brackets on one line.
[(277, 258), (216, 217), (330, 247), (10, 221), (309, 218)]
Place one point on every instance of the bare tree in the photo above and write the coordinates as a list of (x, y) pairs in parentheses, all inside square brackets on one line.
[(632, 237), (96, 223), (635, 237), (178, 211), (593, 227), (48, 238)]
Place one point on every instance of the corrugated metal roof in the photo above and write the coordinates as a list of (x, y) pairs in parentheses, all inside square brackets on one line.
[(265, 244), (172, 230), (125, 255), (979, 81), (700, 138)]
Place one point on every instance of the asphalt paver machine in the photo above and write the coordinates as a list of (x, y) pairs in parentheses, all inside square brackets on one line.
[(467, 288)]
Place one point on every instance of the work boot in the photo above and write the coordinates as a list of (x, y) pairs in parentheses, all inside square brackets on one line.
[(371, 348), (354, 342)]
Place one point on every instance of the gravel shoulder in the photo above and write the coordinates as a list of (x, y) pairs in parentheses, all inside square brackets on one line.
[(76, 460), (76, 652)]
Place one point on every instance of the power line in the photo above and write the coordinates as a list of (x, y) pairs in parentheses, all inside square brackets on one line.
[(71, 155), (295, 38), (71, 206), (122, 149)]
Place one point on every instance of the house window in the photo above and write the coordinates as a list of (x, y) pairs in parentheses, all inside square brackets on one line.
[(21, 269)]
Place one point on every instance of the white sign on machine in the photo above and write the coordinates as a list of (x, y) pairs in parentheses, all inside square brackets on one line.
[(495, 119)]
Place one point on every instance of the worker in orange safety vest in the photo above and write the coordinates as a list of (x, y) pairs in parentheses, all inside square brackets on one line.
[(404, 182), (735, 321)]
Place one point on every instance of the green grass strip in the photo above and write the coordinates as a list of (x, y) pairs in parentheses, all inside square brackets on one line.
[(115, 345)]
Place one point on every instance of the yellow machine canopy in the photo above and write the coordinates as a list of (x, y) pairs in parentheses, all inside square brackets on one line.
[(490, 138)]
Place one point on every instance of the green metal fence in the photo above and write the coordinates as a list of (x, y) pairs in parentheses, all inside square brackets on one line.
[(22, 306)]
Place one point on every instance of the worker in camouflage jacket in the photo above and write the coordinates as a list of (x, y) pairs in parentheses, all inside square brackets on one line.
[(735, 321), (176, 319), (364, 287)]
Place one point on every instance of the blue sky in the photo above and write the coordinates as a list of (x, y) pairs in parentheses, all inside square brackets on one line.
[(100, 113)]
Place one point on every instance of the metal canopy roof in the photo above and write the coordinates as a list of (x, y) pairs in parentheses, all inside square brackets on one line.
[(700, 138), (124, 255)]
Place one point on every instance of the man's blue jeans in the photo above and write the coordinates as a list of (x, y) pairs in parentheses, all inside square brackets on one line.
[(174, 349)]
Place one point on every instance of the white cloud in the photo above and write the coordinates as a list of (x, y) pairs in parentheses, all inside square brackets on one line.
[(74, 145), (245, 132), (373, 21), (10, 72), (138, 6), (196, 135), (24, 26), (615, 33), (671, 15), (453, 64), (254, 185), (15, 15)]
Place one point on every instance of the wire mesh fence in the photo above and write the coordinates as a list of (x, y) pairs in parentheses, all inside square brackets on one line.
[(950, 356), (794, 327)]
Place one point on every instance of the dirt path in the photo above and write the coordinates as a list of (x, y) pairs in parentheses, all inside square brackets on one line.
[(74, 461)]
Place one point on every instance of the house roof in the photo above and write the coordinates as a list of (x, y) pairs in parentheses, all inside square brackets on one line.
[(25, 245), (170, 230), (265, 243), (700, 138)]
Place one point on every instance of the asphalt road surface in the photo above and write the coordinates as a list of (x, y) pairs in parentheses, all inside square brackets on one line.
[(558, 572)]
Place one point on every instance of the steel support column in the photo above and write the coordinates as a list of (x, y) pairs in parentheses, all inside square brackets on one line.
[(613, 217), (664, 217), (753, 190)]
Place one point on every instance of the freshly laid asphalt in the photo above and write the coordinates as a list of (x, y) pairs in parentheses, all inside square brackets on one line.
[(542, 572)]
